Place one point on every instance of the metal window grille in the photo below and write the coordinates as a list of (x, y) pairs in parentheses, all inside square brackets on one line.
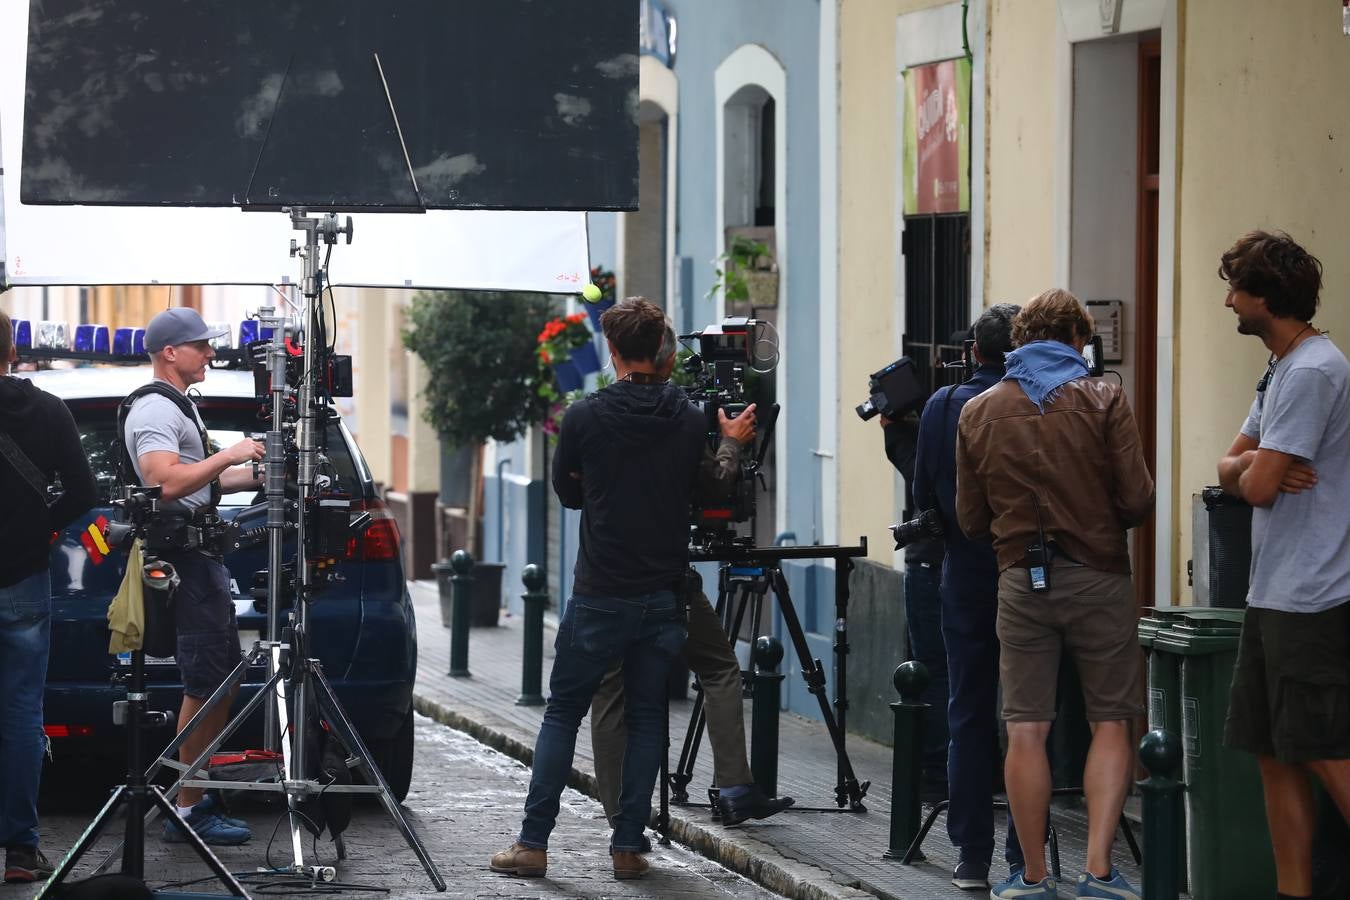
[(937, 293)]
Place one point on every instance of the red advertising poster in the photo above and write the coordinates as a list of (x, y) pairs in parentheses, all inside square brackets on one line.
[(937, 138)]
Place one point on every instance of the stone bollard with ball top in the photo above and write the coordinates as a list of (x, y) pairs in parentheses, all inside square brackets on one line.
[(535, 599), (461, 599), (764, 708), (907, 763)]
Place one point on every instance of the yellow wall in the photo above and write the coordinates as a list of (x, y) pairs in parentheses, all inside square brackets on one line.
[(1265, 139), (1019, 259), (868, 216)]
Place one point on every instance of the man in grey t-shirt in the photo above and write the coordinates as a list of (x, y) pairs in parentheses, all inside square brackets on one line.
[(1290, 698), (167, 449)]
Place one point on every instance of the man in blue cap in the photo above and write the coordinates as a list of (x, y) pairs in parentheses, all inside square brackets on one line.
[(167, 445)]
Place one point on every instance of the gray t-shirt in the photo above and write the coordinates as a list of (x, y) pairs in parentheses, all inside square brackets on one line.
[(1301, 544), (155, 423)]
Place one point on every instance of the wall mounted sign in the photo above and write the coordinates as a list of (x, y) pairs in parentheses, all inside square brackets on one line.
[(937, 138)]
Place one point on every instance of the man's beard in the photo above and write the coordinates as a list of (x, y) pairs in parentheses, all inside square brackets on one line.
[(1247, 327)]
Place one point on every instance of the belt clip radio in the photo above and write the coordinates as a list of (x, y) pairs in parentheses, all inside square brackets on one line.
[(1038, 560)]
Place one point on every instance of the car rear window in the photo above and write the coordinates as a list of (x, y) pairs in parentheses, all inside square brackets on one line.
[(227, 422)]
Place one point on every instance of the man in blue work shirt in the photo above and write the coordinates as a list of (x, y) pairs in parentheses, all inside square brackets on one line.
[(969, 591)]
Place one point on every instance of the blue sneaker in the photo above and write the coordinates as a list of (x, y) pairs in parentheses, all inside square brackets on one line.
[(210, 827), (1016, 887), (1114, 887), (211, 804)]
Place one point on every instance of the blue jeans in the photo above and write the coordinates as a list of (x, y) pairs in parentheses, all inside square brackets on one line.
[(646, 633), (25, 632), (923, 621), (969, 612)]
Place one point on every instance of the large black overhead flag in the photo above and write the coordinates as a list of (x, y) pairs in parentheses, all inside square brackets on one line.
[(501, 104)]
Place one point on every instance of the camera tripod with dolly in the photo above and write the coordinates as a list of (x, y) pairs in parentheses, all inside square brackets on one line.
[(748, 574)]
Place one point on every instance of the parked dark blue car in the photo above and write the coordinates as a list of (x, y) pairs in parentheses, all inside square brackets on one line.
[(361, 627)]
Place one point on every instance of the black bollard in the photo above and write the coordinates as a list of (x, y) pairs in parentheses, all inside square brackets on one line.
[(764, 709), (1160, 752), (532, 660), (907, 764), (461, 600)]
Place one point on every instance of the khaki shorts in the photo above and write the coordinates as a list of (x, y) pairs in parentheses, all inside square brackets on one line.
[(1088, 613)]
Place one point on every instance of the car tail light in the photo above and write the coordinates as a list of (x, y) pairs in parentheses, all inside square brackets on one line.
[(379, 541), (66, 731)]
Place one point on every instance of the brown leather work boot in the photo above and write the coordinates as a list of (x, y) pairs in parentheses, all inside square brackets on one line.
[(521, 861), (628, 864)]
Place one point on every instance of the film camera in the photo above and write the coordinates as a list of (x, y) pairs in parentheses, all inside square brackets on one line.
[(715, 376), (892, 391)]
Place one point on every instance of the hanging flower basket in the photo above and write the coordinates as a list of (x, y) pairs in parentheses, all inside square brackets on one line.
[(568, 376), (585, 359)]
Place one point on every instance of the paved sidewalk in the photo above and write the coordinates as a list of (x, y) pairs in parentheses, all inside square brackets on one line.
[(800, 854)]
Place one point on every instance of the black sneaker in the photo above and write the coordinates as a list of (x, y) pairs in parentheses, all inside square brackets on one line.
[(754, 804), (26, 864), (971, 876)]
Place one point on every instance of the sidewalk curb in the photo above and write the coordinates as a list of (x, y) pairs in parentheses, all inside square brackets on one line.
[(735, 850)]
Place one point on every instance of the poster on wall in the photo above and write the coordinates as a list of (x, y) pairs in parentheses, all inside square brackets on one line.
[(937, 138)]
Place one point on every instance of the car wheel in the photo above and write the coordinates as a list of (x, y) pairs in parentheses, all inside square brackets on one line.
[(395, 758)]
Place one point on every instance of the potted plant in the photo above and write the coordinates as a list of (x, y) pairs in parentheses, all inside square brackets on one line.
[(565, 347), (746, 273), (604, 280), (480, 351)]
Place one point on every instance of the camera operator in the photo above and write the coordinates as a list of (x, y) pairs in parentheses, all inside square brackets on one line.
[(38, 442), (169, 448), (923, 607), (627, 457), (969, 610), (1049, 464), (1290, 462), (708, 652)]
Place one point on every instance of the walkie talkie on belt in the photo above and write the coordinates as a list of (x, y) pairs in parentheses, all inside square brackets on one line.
[(1039, 556)]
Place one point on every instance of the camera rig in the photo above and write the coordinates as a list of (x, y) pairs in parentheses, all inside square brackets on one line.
[(718, 378)]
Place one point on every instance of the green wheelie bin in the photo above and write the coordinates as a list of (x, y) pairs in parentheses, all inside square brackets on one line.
[(1164, 694), (1227, 841)]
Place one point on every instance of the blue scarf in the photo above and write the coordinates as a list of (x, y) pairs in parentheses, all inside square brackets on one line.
[(1042, 368)]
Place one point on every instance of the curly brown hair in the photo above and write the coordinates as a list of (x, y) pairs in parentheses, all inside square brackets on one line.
[(1055, 315), (637, 327), (1272, 266), (6, 340)]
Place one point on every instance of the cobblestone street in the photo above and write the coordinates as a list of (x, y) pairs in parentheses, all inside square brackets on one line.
[(466, 803)]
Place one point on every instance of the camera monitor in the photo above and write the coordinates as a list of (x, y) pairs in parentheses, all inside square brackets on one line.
[(346, 105)]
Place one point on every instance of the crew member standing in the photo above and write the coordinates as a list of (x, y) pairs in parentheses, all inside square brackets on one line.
[(168, 447), (38, 441)]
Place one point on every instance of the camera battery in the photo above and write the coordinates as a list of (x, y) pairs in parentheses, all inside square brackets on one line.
[(332, 516)]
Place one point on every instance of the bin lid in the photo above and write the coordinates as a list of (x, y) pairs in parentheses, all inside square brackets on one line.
[(1187, 640), (1212, 618)]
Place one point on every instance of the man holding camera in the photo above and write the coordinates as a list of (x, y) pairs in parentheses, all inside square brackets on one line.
[(1290, 700), (1049, 464), (628, 457), (38, 443), (708, 653), (969, 610), (168, 446)]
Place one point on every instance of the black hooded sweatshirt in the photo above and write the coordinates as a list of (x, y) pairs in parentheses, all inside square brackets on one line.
[(45, 431), (637, 448)]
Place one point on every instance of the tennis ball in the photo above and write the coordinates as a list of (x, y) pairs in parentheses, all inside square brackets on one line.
[(590, 293)]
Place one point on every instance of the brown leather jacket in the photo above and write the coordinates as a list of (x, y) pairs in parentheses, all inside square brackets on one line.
[(1081, 460)]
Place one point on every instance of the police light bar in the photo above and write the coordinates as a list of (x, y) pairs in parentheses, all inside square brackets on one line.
[(91, 339), (52, 336)]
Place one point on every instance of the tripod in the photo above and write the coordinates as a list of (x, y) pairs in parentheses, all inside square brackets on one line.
[(137, 794), (743, 583)]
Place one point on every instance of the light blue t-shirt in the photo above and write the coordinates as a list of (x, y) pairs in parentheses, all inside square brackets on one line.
[(154, 422), (1301, 544)]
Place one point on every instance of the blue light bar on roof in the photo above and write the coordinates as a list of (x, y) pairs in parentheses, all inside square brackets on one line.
[(91, 338), (23, 333), (52, 336), (128, 342), (249, 333)]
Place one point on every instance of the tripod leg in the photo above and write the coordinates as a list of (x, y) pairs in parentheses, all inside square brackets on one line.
[(347, 734), (684, 769), (216, 698), (91, 833), (848, 788), (217, 867), (664, 818)]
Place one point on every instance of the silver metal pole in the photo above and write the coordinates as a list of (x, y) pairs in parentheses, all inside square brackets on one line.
[(275, 490)]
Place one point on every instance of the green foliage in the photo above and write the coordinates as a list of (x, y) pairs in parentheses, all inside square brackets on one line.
[(479, 349), (742, 256)]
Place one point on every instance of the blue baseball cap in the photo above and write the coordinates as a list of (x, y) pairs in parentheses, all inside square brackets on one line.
[(178, 325)]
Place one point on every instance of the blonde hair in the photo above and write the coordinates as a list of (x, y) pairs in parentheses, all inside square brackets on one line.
[(1055, 315)]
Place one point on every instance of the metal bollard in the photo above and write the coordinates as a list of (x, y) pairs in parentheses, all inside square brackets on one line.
[(1160, 752), (532, 660), (461, 599), (764, 707), (907, 764)]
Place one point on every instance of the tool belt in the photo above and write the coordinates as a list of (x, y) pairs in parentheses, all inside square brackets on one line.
[(201, 530)]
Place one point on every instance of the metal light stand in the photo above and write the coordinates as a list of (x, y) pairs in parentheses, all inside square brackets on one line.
[(296, 676), (756, 571)]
